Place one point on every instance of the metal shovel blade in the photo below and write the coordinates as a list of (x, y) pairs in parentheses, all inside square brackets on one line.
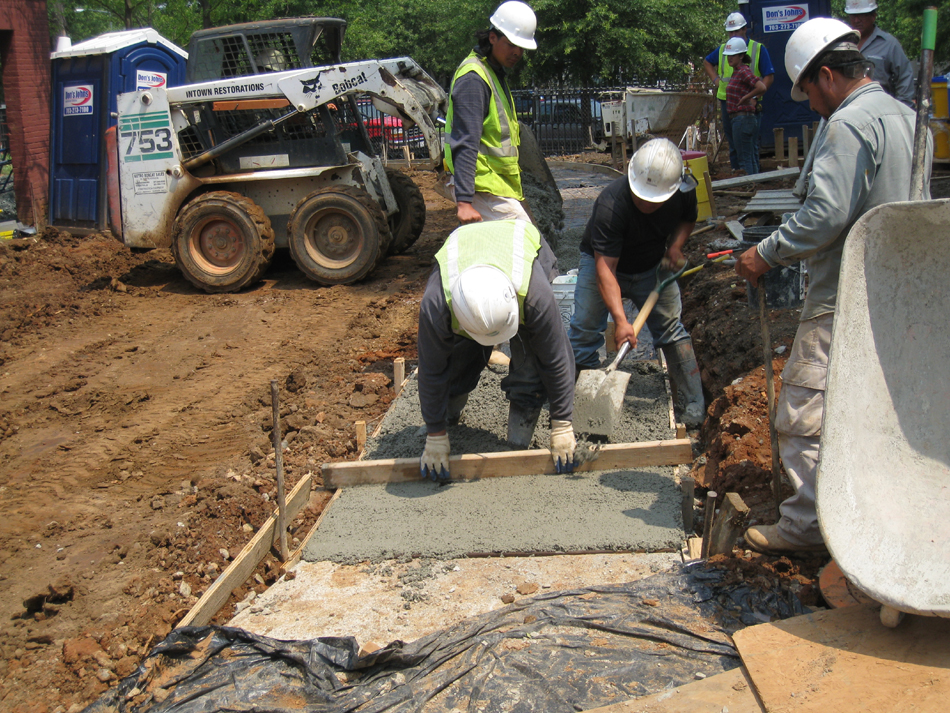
[(598, 401), (598, 398)]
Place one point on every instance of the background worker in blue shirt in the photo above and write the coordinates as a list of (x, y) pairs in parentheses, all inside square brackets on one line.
[(719, 71)]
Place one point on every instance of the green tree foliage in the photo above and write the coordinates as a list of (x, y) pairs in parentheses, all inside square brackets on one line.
[(615, 41), (904, 20), (600, 42)]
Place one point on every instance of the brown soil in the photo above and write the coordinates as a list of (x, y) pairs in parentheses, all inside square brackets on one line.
[(135, 451)]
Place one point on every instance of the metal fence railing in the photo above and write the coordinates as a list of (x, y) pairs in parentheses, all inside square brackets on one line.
[(564, 120)]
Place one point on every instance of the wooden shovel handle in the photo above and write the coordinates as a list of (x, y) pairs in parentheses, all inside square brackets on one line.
[(645, 312)]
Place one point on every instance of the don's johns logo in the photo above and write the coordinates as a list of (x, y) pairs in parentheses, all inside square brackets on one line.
[(77, 100), (150, 80), (784, 18)]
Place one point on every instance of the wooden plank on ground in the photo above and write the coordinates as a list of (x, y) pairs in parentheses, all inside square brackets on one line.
[(612, 456), (845, 660), (730, 691), (298, 553), (245, 563), (756, 178)]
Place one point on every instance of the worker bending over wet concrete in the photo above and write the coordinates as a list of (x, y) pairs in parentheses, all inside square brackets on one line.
[(637, 222), (491, 284), (862, 158)]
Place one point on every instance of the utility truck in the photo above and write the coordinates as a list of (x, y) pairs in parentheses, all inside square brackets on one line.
[(258, 153)]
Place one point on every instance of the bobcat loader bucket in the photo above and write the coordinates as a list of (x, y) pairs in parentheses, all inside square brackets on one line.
[(883, 489)]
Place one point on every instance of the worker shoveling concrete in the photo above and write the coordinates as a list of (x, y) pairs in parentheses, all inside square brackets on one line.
[(599, 393)]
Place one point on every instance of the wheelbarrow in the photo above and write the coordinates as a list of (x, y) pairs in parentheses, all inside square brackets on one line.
[(883, 487)]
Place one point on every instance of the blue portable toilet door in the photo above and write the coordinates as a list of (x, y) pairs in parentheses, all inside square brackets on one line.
[(145, 67), (77, 114), (772, 22)]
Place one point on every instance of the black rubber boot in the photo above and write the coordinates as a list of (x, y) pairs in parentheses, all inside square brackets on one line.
[(456, 404), (521, 424), (689, 407)]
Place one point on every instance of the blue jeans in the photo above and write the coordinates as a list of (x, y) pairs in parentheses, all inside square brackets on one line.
[(522, 385), (745, 138), (727, 134), (590, 313)]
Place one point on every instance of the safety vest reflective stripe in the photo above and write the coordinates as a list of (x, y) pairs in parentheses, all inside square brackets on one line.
[(507, 148), (509, 245), (725, 70), (496, 169)]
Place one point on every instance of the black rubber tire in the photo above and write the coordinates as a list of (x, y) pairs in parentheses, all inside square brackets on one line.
[(406, 225), (337, 235), (223, 242)]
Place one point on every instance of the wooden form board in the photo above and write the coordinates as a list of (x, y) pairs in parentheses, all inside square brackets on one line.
[(245, 563), (846, 661), (729, 691), (755, 178), (613, 456)]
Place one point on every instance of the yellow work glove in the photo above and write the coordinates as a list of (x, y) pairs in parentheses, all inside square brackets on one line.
[(435, 458), (563, 446)]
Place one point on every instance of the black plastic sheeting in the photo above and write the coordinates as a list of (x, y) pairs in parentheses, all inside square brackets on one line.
[(563, 651)]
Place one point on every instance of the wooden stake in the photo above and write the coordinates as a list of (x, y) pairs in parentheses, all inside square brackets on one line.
[(770, 393), (688, 486), (806, 140), (471, 466), (279, 463), (779, 134), (729, 524), (615, 141), (399, 374), (360, 435), (793, 152), (709, 193), (708, 515)]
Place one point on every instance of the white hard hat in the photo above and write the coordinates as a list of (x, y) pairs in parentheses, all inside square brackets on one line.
[(735, 21), (810, 40), (735, 45), (517, 22), (485, 303), (859, 7), (271, 60), (655, 171)]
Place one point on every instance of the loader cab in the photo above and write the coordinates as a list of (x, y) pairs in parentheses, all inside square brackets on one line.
[(321, 137), (260, 47)]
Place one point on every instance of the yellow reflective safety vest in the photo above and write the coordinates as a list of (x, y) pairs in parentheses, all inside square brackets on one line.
[(725, 71), (496, 167), (509, 245)]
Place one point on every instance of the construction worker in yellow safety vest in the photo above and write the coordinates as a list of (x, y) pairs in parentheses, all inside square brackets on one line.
[(717, 67), (481, 125), (492, 283)]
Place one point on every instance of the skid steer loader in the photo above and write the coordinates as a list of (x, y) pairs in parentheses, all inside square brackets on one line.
[(256, 152)]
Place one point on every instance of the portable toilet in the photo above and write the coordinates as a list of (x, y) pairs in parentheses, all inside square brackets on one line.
[(772, 23), (86, 80)]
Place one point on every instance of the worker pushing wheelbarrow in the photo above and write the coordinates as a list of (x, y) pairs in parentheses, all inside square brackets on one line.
[(633, 241)]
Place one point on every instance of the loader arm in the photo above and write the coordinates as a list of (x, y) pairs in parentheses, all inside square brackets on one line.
[(399, 85)]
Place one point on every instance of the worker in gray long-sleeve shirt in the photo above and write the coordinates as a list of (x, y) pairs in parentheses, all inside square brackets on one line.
[(862, 159), (491, 283), (892, 69), (481, 125)]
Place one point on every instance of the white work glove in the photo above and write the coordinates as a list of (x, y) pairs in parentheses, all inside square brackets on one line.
[(435, 458), (562, 446)]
